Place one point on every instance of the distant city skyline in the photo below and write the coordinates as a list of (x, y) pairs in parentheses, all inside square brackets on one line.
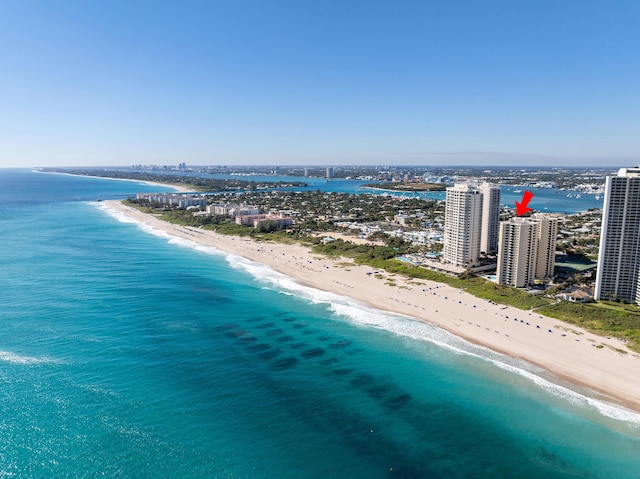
[(315, 83)]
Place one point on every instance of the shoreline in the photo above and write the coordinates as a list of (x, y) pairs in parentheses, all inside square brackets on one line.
[(178, 188), (566, 352)]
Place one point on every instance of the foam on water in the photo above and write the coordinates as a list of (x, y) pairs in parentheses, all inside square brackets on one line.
[(13, 358), (121, 217), (365, 316), (415, 329)]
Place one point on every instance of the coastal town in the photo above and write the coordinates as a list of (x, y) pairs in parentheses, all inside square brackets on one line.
[(417, 224), (346, 240), (461, 232), (593, 343)]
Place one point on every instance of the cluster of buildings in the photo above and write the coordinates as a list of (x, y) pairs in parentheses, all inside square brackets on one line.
[(173, 199), (525, 246), (141, 167), (242, 214), (474, 235), (250, 216), (522, 250)]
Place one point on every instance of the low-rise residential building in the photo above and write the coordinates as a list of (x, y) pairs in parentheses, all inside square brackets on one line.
[(576, 296), (272, 222), (264, 222), (247, 220), (173, 199), (402, 219), (233, 210)]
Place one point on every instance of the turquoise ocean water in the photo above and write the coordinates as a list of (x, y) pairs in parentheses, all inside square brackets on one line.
[(128, 353)]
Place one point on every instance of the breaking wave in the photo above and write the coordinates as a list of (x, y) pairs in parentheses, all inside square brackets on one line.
[(366, 316)]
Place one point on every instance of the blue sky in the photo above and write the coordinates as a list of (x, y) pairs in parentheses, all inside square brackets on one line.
[(319, 82)]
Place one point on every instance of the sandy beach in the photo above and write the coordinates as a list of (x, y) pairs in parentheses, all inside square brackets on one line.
[(566, 351)]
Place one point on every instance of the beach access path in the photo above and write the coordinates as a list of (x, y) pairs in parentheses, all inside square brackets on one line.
[(566, 351)]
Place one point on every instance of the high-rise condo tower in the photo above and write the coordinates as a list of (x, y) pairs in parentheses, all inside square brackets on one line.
[(490, 218), (527, 248), (619, 254), (471, 219)]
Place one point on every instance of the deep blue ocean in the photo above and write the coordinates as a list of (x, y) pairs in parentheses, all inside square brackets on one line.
[(127, 353)]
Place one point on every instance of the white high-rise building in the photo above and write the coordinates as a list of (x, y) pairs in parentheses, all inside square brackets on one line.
[(526, 250), (490, 218), (518, 252), (619, 256), (329, 172), (462, 225), (471, 222), (547, 240)]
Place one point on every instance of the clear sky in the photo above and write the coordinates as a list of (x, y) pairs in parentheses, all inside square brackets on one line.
[(118, 82)]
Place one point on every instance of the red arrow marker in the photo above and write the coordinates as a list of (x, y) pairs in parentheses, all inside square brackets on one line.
[(522, 208)]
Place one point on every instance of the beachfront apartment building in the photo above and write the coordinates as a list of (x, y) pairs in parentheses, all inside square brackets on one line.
[(547, 241), (181, 200), (618, 272), (526, 250), (264, 222), (219, 209), (490, 218), (462, 225), (471, 221), (231, 210), (517, 254), (272, 222)]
